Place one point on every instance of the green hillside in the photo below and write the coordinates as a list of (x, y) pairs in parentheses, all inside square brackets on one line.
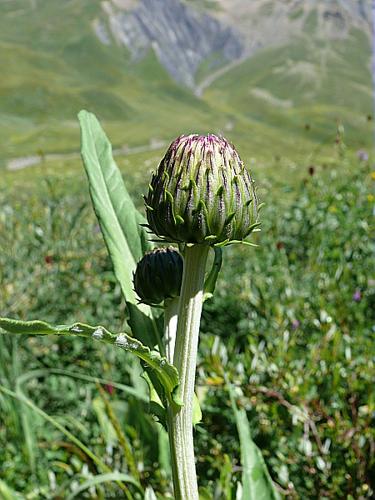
[(53, 72), (305, 88), (56, 65)]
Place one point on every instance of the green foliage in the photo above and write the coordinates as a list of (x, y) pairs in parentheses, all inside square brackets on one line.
[(166, 373), (108, 195), (290, 323), (292, 326), (7, 493), (256, 481)]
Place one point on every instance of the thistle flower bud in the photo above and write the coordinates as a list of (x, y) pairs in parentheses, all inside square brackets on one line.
[(201, 193), (158, 275)]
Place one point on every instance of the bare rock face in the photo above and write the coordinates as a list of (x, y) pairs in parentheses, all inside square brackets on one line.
[(265, 23), (181, 36), (186, 36)]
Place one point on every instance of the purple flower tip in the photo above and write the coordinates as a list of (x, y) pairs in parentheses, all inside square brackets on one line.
[(357, 296), (295, 324), (362, 155), (109, 388)]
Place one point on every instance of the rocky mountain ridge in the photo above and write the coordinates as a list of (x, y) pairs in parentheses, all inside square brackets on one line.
[(181, 37), (193, 39)]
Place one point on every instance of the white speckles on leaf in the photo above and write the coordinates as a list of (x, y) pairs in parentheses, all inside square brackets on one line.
[(122, 341), (134, 346), (98, 333), (76, 329)]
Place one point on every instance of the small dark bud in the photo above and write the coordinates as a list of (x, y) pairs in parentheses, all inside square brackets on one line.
[(158, 276), (109, 388), (311, 170), (48, 259)]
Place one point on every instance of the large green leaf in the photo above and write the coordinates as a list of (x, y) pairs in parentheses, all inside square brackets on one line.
[(256, 480), (166, 373), (119, 220), (117, 215)]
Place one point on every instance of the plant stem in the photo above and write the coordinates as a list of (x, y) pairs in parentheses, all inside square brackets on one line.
[(170, 326), (170, 331), (180, 422)]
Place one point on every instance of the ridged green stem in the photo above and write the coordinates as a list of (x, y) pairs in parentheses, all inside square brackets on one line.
[(170, 326), (170, 331), (180, 422)]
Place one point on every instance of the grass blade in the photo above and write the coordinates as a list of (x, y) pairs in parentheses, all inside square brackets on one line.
[(104, 478), (128, 389), (122, 439), (256, 480), (7, 493)]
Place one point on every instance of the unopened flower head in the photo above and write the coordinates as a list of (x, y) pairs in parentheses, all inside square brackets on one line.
[(158, 275), (201, 193)]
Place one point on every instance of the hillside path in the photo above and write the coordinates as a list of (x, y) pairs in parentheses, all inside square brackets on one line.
[(30, 161), (206, 82)]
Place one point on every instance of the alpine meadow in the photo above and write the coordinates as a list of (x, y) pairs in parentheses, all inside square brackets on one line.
[(186, 249)]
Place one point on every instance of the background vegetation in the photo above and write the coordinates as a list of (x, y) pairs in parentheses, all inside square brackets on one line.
[(290, 324)]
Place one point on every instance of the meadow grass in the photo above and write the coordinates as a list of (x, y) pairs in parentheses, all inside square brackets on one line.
[(289, 326), (290, 323)]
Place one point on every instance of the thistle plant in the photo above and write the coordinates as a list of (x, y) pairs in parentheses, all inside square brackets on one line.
[(200, 199), (201, 195)]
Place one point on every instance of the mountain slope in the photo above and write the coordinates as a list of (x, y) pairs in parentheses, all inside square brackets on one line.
[(270, 68), (56, 65), (305, 83), (181, 37)]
